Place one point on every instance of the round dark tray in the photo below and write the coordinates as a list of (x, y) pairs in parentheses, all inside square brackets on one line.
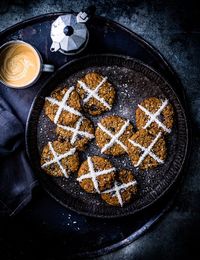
[(120, 70), (44, 224)]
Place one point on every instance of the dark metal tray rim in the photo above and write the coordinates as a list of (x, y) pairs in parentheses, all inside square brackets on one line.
[(28, 127), (177, 88)]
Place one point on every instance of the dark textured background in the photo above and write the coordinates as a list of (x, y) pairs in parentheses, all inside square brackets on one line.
[(173, 27)]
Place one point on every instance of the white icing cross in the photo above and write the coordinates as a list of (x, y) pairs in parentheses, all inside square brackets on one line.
[(76, 131), (147, 151), (114, 138), (58, 157), (93, 93), (153, 117), (62, 105), (117, 190), (92, 174)]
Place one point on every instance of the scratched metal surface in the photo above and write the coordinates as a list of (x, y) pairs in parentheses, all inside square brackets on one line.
[(133, 83), (147, 21)]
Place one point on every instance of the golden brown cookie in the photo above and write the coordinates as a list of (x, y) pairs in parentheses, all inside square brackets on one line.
[(96, 92), (78, 134), (155, 115), (112, 135), (63, 106), (123, 190), (146, 151), (59, 159), (96, 174)]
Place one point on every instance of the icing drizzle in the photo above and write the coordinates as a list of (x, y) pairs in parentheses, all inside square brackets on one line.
[(118, 188), (92, 174), (93, 93), (114, 138), (153, 117), (58, 157), (76, 131), (147, 151), (62, 105)]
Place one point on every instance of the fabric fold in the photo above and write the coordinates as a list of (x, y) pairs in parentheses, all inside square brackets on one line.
[(16, 175), (11, 133)]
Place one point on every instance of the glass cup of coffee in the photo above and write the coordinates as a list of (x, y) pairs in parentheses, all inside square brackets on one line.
[(21, 64)]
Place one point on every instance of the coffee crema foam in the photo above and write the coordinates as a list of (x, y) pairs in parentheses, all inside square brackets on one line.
[(19, 65)]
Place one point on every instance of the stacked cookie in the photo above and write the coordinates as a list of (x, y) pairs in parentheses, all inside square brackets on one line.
[(114, 136), (154, 119)]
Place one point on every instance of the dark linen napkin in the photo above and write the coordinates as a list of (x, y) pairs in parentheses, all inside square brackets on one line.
[(16, 176)]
